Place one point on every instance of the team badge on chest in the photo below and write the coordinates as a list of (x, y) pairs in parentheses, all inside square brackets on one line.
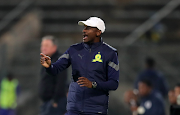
[(97, 58)]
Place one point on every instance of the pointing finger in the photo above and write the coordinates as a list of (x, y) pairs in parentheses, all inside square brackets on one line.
[(43, 55)]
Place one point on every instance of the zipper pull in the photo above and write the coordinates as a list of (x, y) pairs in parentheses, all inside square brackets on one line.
[(90, 50)]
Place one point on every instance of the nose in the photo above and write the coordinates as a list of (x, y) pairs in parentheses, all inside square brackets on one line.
[(84, 30)]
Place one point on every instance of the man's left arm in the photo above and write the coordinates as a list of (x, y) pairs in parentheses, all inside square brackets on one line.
[(113, 74)]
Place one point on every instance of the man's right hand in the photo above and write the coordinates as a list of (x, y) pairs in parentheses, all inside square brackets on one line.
[(45, 60)]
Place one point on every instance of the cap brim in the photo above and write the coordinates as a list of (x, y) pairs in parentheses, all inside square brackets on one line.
[(87, 23), (81, 23)]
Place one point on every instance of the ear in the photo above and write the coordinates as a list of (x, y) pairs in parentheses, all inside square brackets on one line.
[(98, 33)]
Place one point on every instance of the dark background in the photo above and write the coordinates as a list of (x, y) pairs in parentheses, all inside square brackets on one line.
[(24, 22)]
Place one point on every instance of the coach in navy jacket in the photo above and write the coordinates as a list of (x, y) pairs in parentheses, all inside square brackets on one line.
[(95, 70)]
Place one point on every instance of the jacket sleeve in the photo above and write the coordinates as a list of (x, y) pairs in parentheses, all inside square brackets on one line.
[(112, 74), (61, 64)]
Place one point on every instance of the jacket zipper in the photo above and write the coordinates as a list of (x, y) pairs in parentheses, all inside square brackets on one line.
[(86, 75)]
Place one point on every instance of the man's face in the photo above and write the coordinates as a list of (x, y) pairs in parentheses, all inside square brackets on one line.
[(177, 91), (47, 47), (90, 34), (143, 89), (172, 97)]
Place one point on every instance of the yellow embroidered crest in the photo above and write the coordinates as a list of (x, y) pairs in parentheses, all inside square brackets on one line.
[(97, 58)]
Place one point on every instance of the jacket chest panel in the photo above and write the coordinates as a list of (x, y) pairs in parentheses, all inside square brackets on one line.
[(89, 64)]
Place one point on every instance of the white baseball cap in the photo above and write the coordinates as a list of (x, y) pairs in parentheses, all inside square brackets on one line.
[(94, 22)]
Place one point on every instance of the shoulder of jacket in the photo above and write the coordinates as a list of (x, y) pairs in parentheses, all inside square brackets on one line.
[(77, 46), (107, 46)]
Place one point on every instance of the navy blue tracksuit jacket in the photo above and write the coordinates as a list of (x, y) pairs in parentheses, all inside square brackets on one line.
[(97, 62)]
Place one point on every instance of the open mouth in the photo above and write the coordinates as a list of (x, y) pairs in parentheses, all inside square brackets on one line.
[(85, 36)]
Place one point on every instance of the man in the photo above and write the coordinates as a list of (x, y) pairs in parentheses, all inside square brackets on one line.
[(9, 92), (174, 99), (151, 103), (131, 98), (158, 80), (52, 88), (177, 91), (95, 70)]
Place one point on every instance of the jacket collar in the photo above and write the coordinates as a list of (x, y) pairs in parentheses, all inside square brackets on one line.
[(92, 45)]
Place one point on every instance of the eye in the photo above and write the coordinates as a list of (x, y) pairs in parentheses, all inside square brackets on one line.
[(87, 28)]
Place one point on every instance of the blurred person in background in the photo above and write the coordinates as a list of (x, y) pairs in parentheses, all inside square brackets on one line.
[(146, 102), (52, 88), (151, 74), (177, 91), (9, 92), (174, 99), (132, 99), (95, 70), (156, 33)]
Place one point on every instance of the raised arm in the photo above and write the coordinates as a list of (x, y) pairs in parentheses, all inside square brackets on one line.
[(62, 63)]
